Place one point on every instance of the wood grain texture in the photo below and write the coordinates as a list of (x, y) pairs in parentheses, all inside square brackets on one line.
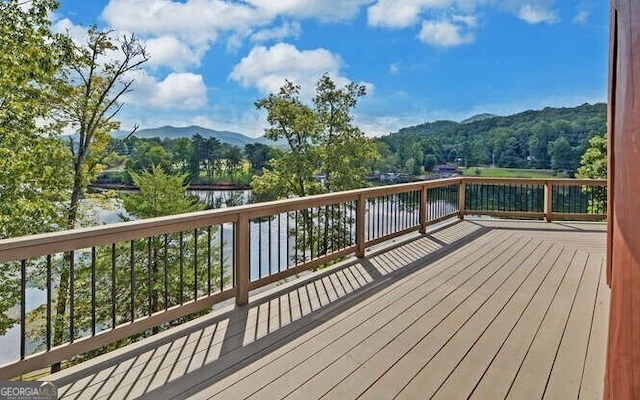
[(623, 358)]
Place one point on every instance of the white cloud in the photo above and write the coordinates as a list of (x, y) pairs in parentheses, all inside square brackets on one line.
[(287, 29), (394, 68), (195, 20), (204, 20), (581, 17), (535, 14), (172, 52), (401, 14), (76, 32), (445, 33), (324, 10), (266, 69), (185, 91)]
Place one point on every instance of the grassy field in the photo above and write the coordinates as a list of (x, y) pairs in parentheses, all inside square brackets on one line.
[(510, 173)]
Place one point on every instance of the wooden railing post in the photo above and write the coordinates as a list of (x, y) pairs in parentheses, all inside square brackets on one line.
[(242, 252), (424, 209), (462, 192), (361, 210), (548, 201)]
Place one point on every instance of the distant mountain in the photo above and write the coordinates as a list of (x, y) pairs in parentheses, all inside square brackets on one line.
[(478, 117), (172, 132)]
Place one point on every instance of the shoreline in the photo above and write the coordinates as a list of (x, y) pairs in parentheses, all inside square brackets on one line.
[(197, 186)]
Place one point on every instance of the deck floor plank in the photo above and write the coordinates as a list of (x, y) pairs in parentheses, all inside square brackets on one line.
[(361, 322), (468, 372), (484, 309)]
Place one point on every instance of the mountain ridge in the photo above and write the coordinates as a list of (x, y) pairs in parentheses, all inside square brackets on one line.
[(173, 132)]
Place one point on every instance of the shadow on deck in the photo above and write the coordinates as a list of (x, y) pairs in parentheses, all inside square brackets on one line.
[(482, 309)]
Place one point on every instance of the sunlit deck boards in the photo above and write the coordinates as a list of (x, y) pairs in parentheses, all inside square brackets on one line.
[(482, 309)]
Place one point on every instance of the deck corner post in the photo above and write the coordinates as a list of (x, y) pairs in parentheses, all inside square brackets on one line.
[(242, 251), (462, 191), (424, 209), (360, 226)]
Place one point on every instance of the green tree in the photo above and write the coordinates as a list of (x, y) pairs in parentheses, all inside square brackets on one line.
[(429, 162), (181, 153), (593, 164), (296, 123), (34, 180), (97, 76), (145, 155), (346, 151), (258, 156), (159, 194), (322, 142), (561, 155)]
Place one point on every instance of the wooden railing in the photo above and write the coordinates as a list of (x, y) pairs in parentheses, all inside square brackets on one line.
[(75, 291)]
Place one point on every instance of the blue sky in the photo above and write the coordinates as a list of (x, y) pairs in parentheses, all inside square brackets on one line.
[(421, 60)]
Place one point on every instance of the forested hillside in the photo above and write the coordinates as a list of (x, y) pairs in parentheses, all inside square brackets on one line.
[(552, 138)]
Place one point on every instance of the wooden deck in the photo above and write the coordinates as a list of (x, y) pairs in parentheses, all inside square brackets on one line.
[(481, 309)]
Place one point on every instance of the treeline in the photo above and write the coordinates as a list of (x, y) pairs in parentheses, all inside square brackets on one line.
[(552, 138), (204, 160)]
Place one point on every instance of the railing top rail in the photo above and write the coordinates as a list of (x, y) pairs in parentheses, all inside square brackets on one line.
[(537, 181)]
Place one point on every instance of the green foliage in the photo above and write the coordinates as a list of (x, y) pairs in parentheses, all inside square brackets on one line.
[(593, 164), (145, 155), (97, 75), (159, 194), (561, 154), (33, 176), (326, 152), (258, 156), (321, 140)]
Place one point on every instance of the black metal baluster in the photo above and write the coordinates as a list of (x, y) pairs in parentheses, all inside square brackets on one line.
[(379, 224), (270, 252), (209, 258), (150, 276), (23, 308), (296, 245), (132, 281), (72, 297), (166, 272), (279, 242), (113, 285), (49, 290), (93, 291), (326, 230), (221, 257), (233, 254), (181, 278), (288, 253), (259, 221), (195, 264), (311, 239)]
